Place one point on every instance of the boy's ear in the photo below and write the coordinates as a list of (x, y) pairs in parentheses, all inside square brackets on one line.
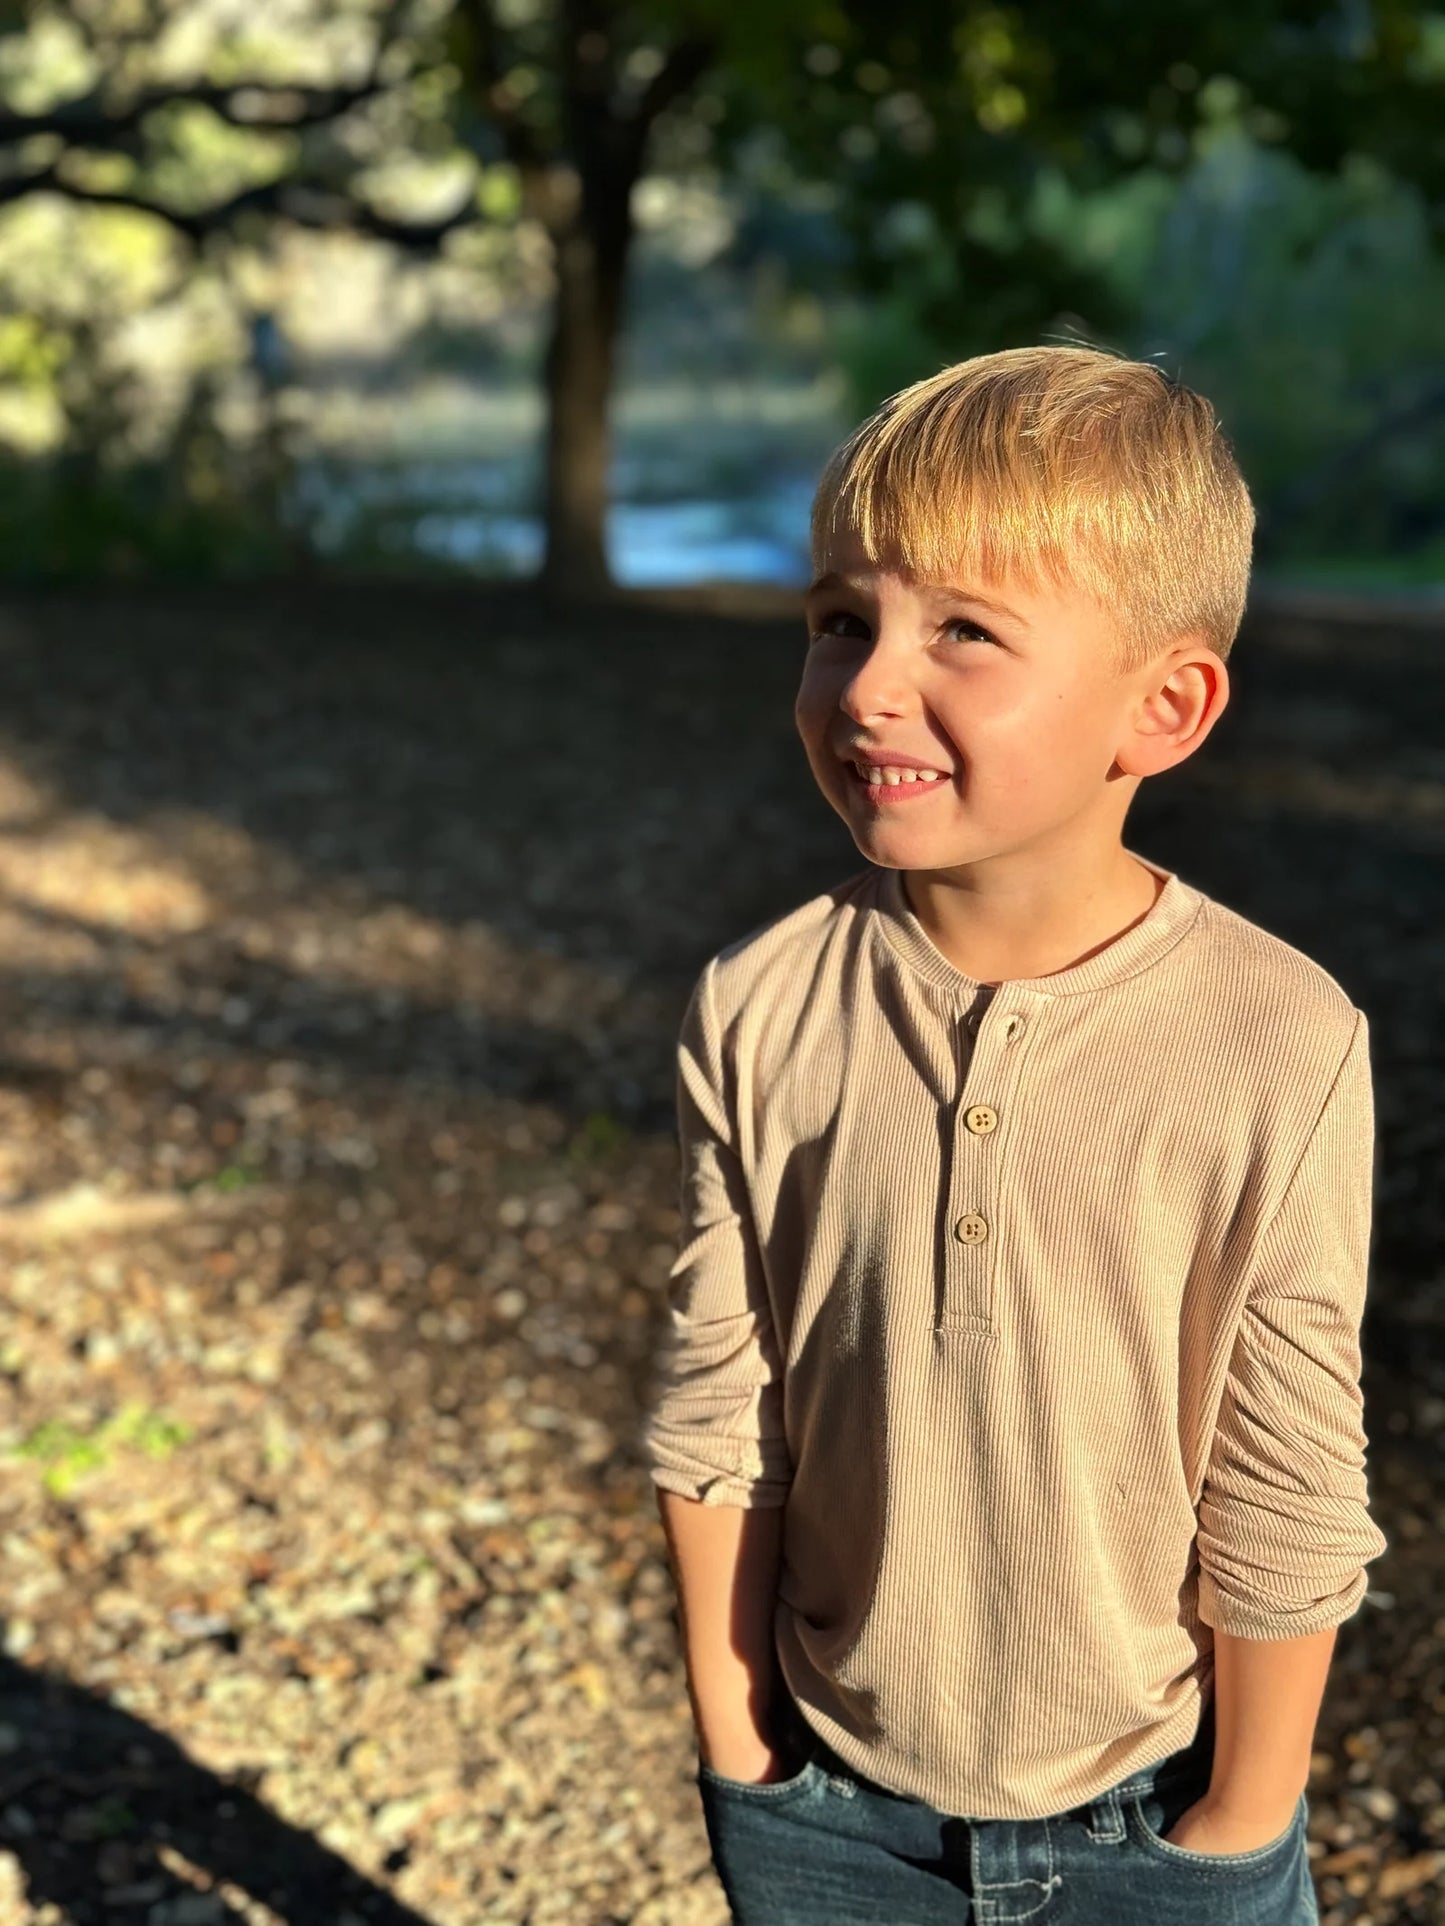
[(1178, 699)]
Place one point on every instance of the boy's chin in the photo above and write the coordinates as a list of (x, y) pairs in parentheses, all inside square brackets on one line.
[(896, 848)]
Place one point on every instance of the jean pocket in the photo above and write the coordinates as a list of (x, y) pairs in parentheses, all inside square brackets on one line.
[(766, 1792), (1154, 1813)]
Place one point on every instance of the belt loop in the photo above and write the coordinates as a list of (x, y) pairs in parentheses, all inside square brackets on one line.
[(1106, 1818)]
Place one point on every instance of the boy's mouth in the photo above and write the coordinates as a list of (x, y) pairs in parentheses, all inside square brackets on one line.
[(894, 785)]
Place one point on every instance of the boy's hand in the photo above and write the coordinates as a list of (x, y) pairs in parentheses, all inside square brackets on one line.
[(1204, 1828), (755, 1761)]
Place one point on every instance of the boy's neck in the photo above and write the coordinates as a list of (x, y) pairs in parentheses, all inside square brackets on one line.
[(999, 924)]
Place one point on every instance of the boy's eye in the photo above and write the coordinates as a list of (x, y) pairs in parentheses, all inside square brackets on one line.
[(972, 630), (824, 623), (969, 630)]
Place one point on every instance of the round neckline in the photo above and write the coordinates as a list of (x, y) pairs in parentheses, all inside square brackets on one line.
[(1157, 931)]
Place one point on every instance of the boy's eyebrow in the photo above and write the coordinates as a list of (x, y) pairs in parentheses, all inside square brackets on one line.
[(832, 580), (932, 591)]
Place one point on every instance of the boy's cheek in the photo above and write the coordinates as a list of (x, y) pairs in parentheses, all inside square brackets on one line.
[(829, 775), (827, 779), (828, 771), (811, 719)]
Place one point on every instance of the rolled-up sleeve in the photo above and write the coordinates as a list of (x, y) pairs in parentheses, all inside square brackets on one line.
[(714, 1429), (1284, 1524)]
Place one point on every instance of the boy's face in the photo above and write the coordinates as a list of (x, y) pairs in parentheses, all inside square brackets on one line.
[(1009, 693)]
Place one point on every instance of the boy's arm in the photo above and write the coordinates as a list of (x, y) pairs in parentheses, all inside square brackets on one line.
[(725, 1561), (714, 1431), (1284, 1525), (1267, 1695)]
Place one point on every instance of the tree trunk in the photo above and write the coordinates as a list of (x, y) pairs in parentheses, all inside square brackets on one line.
[(591, 270), (583, 196)]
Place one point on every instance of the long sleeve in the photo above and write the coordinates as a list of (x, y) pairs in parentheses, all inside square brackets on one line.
[(714, 1430), (1284, 1525)]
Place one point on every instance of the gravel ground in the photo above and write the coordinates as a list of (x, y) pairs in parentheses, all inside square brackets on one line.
[(346, 933)]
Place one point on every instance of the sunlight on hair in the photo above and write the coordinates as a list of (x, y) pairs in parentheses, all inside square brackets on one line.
[(1065, 464)]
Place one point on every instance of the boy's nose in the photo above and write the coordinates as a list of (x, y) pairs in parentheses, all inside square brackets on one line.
[(878, 687)]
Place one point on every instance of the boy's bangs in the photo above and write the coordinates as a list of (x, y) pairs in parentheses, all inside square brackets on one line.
[(957, 521), (970, 532)]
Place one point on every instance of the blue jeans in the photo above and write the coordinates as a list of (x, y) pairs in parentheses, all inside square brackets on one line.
[(827, 1847)]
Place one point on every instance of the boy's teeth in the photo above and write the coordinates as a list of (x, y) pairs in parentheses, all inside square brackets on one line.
[(871, 773)]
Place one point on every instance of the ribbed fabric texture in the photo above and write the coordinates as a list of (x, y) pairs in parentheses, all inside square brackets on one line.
[(1038, 1309)]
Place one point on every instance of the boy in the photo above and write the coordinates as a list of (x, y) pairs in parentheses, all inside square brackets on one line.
[(1010, 1452)]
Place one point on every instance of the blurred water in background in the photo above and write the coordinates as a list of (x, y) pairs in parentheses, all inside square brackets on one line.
[(709, 480), (463, 514)]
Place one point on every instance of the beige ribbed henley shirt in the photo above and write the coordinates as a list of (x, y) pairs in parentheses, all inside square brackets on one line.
[(1037, 1308)]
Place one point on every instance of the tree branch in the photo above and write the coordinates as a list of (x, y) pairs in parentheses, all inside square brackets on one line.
[(88, 123), (298, 201), (520, 142), (685, 64), (323, 208)]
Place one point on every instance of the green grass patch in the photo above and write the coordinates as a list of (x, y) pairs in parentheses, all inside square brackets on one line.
[(598, 1135), (236, 1177), (68, 1453)]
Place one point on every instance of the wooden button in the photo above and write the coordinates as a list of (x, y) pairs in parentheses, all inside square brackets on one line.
[(971, 1228), (981, 1118)]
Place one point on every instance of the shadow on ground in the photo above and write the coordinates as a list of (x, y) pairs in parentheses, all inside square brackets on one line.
[(131, 1807)]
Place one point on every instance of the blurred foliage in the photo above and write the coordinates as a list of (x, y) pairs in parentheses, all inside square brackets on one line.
[(945, 132), (1305, 306), (1254, 196), (108, 500), (1251, 193), (118, 362), (1315, 327), (134, 522)]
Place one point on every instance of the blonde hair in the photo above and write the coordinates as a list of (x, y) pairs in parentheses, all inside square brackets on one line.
[(1066, 462)]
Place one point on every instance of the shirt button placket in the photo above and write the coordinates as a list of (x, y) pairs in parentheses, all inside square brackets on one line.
[(967, 1303)]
